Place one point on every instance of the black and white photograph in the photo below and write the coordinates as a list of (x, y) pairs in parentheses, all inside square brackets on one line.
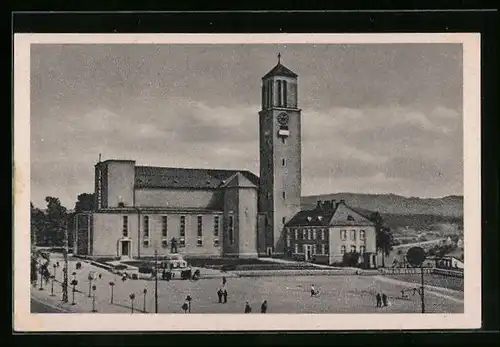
[(199, 177)]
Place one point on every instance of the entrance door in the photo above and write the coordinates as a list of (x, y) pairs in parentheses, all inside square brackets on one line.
[(308, 252), (269, 251), (125, 248)]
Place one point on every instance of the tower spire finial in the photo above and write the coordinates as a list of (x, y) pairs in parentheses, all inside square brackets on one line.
[(279, 57), (99, 157)]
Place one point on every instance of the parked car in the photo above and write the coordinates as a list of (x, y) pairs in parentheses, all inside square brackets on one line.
[(129, 271), (175, 261)]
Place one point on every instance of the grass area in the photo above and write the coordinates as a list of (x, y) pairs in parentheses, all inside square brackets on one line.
[(234, 264), (454, 283)]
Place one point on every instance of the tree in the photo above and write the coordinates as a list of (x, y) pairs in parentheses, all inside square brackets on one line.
[(56, 215), (85, 203), (350, 259), (37, 226), (384, 238)]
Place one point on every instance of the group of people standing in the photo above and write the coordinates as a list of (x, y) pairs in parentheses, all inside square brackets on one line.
[(222, 295), (382, 300)]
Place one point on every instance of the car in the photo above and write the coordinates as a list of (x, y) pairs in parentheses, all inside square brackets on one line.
[(175, 261), (129, 271)]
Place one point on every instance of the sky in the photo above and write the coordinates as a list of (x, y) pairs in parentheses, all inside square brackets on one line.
[(376, 118)]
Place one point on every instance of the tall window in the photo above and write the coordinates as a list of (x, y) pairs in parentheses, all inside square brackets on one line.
[(296, 234), (284, 197), (99, 189), (182, 231), (353, 248), (164, 226), (353, 235), (362, 235), (304, 236), (296, 248), (216, 226), (314, 234), (362, 249), (288, 240), (343, 235), (125, 226), (283, 219), (231, 229), (319, 249), (323, 234), (283, 162), (146, 227), (280, 98), (325, 249), (199, 233), (342, 249), (284, 94)]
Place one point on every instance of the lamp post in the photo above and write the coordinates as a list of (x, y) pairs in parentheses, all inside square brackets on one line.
[(90, 278), (55, 267), (422, 287), (156, 280), (65, 270), (416, 257), (132, 298), (41, 278), (111, 284), (52, 277), (144, 305), (93, 298), (74, 283)]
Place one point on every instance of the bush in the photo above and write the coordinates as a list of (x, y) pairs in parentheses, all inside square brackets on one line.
[(350, 259)]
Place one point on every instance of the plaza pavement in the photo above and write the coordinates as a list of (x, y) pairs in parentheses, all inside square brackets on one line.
[(285, 294)]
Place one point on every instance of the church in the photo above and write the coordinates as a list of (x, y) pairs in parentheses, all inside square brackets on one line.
[(208, 212)]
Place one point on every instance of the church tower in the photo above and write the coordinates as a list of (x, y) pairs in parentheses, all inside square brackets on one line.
[(280, 154)]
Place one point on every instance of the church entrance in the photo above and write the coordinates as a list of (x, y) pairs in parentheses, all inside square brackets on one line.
[(125, 248)]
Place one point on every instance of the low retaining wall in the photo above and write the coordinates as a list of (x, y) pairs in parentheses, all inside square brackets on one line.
[(261, 273)]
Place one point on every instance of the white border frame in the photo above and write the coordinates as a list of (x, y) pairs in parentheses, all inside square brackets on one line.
[(26, 321)]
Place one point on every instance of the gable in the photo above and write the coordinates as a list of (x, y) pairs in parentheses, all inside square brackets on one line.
[(344, 215)]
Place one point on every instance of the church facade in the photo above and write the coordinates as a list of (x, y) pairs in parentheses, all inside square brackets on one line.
[(205, 212)]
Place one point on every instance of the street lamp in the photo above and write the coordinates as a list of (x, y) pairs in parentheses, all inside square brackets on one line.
[(90, 278), (144, 306), (111, 284), (53, 277), (156, 280), (132, 298), (55, 267), (93, 298), (41, 278), (74, 283)]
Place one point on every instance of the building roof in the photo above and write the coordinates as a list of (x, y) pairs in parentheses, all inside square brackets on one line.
[(166, 177), (329, 213), (280, 70)]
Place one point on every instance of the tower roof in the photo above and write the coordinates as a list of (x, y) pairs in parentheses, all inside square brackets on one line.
[(280, 70)]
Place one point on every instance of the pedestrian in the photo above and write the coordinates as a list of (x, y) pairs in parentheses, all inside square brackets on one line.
[(185, 306), (224, 293), (263, 307), (379, 300), (248, 309), (219, 294), (313, 291), (384, 299), (224, 280), (100, 276)]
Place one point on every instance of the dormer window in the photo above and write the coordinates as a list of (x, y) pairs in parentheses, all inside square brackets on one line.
[(350, 218), (309, 218), (320, 218)]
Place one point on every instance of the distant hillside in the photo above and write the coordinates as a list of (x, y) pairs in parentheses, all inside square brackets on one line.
[(449, 206)]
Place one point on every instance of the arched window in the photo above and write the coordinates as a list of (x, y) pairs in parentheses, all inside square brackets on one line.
[(342, 249)]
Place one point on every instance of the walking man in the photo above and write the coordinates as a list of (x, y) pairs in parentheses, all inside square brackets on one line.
[(384, 299), (224, 293), (313, 291), (219, 294), (263, 307), (248, 309), (379, 300)]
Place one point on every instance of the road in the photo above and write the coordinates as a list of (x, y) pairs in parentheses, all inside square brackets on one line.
[(39, 307)]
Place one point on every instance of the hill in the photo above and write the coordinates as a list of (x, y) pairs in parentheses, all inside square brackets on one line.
[(449, 206), (403, 214)]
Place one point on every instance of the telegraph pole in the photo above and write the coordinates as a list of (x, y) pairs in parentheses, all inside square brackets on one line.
[(422, 281), (66, 251), (156, 280)]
